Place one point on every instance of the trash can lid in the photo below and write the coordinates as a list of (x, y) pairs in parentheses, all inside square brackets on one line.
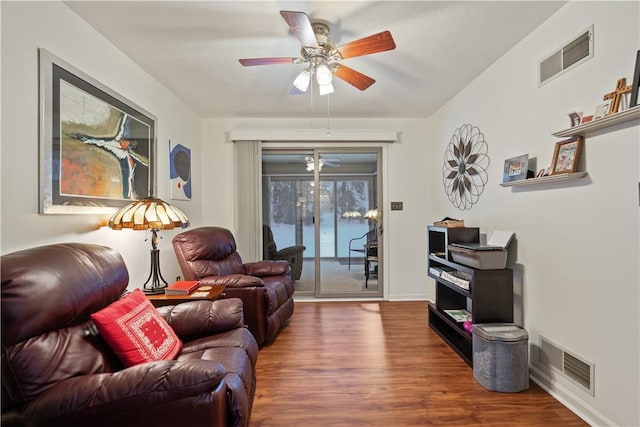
[(500, 332)]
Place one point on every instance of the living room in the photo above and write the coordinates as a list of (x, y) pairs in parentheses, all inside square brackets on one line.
[(570, 288)]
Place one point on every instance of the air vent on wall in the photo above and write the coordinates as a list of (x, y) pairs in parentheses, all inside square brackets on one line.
[(572, 366), (573, 53)]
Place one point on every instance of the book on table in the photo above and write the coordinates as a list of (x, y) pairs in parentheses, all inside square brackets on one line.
[(181, 287)]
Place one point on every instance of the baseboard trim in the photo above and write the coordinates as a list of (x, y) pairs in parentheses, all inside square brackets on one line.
[(409, 297), (569, 399)]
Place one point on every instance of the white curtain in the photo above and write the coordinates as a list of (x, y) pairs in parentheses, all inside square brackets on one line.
[(247, 157)]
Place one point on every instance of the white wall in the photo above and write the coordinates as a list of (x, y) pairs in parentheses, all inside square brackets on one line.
[(577, 249), (577, 243), (405, 179), (26, 26)]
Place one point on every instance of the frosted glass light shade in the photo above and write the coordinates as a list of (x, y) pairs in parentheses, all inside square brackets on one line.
[(302, 81), (326, 89), (323, 74)]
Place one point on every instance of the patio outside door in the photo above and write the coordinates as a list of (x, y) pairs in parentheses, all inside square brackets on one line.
[(320, 199)]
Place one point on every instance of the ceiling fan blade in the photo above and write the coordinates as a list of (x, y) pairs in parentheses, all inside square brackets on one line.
[(365, 46), (267, 61), (300, 26), (353, 77)]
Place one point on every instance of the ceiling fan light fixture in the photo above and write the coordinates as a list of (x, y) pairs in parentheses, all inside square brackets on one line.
[(311, 164), (323, 74), (302, 81), (318, 50), (325, 89)]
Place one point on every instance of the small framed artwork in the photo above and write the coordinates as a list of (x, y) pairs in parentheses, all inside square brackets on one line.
[(542, 173), (586, 119), (97, 148), (575, 117), (635, 85), (180, 171), (515, 168), (566, 156)]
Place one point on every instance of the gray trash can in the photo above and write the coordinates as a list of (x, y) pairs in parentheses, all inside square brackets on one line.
[(501, 357)]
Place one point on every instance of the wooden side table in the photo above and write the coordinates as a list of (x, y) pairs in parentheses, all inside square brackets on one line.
[(216, 292)]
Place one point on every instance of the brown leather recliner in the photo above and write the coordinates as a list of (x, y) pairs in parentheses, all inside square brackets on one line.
[(56, 371), (291, 254), (209, 254)]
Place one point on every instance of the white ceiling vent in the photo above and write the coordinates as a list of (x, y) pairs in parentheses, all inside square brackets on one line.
[(572, 54), (573, 367)]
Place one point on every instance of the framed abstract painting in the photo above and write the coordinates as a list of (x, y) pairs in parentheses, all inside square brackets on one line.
[(97, 148)]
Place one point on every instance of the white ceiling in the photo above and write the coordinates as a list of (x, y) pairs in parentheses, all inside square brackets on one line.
[(193, 48)]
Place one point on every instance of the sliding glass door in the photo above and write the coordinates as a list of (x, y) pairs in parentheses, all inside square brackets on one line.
[(327, 202)]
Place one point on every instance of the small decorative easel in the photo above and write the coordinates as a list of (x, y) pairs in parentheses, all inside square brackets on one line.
[(616, 95)]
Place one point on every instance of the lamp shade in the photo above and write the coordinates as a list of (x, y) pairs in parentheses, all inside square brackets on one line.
[(372, 214), (351, 214), (148, 213)]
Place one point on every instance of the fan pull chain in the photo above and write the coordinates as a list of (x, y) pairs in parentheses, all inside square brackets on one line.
[(312, 115), (328, 119)]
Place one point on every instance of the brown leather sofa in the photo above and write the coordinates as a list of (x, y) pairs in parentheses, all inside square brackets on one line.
[(209, 254), (57, 371)]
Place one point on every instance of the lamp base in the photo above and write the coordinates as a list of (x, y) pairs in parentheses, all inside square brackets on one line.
[(155, 283), (156, 291)]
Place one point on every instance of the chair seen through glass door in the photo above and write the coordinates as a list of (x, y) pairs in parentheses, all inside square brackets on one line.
[(326, 212)]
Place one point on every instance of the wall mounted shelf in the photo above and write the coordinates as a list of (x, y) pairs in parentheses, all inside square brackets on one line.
[(544, 179), (628, 115)]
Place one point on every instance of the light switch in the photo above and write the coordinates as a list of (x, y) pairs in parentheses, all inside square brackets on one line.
[(396, 206)]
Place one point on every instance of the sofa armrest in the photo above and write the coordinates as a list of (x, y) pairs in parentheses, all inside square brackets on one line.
[(103, 396), (233, 281), (194, 319), (267, 268), (291, 251)]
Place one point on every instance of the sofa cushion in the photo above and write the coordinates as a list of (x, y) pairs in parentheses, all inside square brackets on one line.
[(136, 331)]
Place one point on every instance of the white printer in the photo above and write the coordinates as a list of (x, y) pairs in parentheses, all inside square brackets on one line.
[(489, 256)]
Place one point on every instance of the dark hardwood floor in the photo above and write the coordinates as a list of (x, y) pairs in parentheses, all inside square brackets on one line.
[(379, 364)]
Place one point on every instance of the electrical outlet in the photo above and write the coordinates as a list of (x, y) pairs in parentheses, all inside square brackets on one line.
[(396, 206)]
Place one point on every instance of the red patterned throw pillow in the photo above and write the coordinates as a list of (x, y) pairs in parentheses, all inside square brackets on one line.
[(136, 331)]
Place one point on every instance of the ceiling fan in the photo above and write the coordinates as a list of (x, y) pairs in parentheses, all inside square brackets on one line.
[(323, 58), (309, 162), (331, 162)]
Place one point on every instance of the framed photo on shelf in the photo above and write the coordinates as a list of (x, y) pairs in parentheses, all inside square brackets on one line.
[(515, 168), (574, 118), (97, 148), (602, 110), (566, 156)]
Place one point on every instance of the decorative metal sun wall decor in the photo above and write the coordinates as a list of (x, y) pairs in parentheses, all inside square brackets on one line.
[(464, 172)]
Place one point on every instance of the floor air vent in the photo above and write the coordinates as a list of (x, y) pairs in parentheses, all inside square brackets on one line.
[(575, 52), (572, 366)]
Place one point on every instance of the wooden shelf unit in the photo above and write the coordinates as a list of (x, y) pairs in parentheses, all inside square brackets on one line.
[(545, 179), (489, 298), (626, 116)]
